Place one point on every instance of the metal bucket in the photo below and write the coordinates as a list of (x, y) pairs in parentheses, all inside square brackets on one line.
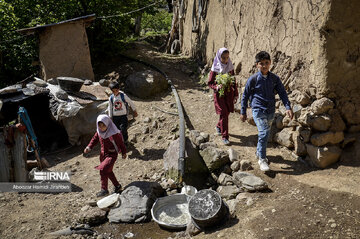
[(70, 84), (171, 211), (207, 209)]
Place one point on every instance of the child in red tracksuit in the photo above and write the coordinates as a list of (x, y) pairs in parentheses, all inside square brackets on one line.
[(112, 143), (224, 105)]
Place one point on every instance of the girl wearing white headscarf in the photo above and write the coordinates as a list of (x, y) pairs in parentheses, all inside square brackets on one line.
[(112, 143), (224, 104)]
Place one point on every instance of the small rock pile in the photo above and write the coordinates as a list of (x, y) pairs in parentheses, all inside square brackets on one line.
[(226, 167), (317, 131), (228, 172)]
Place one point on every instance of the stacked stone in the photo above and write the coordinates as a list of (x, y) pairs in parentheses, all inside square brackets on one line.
[(316, 132), (226, 168)]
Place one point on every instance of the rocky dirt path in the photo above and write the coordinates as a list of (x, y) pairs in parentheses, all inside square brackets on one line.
[(302, 203)]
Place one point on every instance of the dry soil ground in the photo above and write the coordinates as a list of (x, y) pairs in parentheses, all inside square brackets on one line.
[(303, 202)]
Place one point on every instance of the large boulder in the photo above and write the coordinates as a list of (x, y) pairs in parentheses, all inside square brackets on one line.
[(337, 123), (253, 183), (279, 122), (235, 166), (284, 138), (238, 175), (233, 155), (297, 109), (225, 179), (287, 122), (327, 138), (214, 158), (228, 192), (196, 172), (145, 84), (299, 144), (93, 216), (320, 122), (323, 156), (273, 131), (305, 116), (249, 182), (207, 144), (136, 202), (322, 106), (305, 133), (300, 97), (245, 165), (198, 137)]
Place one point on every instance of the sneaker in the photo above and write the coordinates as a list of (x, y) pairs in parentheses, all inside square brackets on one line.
[(226, 141), (217, 131), (117, 189), (263, 165), (102, 193), (258, 157)]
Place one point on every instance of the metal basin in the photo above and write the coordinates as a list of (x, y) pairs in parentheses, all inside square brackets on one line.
[(207, 209), (70, 84), (171, 211)]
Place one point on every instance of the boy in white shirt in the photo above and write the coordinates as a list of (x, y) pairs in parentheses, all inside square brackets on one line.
[(118, 108)]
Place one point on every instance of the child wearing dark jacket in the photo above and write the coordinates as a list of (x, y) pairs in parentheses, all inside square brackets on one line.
[(112, 144), (260, 89)]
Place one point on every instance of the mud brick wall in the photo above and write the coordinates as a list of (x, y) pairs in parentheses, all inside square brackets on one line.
[(313, 43), (64, 51), (342, 47)]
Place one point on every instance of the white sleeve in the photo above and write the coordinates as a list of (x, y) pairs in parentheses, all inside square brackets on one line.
[(132, 105)]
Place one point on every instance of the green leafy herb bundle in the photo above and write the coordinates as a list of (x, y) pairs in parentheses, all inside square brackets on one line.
[(225, 80)]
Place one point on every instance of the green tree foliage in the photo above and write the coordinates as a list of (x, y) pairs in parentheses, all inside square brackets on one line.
[(108, 34), (159, 22), (15, 51)]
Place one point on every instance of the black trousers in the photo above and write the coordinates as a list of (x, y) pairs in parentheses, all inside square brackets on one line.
[(121, 123)]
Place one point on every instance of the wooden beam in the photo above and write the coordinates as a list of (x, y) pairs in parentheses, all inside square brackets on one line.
[(19, 156), (5, 160)]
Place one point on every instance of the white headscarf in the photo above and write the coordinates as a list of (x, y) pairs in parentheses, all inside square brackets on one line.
[(111, 127), (219, 67)]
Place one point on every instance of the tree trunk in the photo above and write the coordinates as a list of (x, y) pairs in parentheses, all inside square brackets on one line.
[(174, 26), (138, 25), (181, 22)]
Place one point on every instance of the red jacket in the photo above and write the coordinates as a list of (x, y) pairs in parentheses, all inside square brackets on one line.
[(107, 147), (224, 104)]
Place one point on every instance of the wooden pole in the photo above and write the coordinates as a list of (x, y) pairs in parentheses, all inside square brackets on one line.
[(5, 160), (19, 156)]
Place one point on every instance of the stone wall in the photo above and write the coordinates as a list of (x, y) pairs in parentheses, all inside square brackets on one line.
[(64, 51)]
